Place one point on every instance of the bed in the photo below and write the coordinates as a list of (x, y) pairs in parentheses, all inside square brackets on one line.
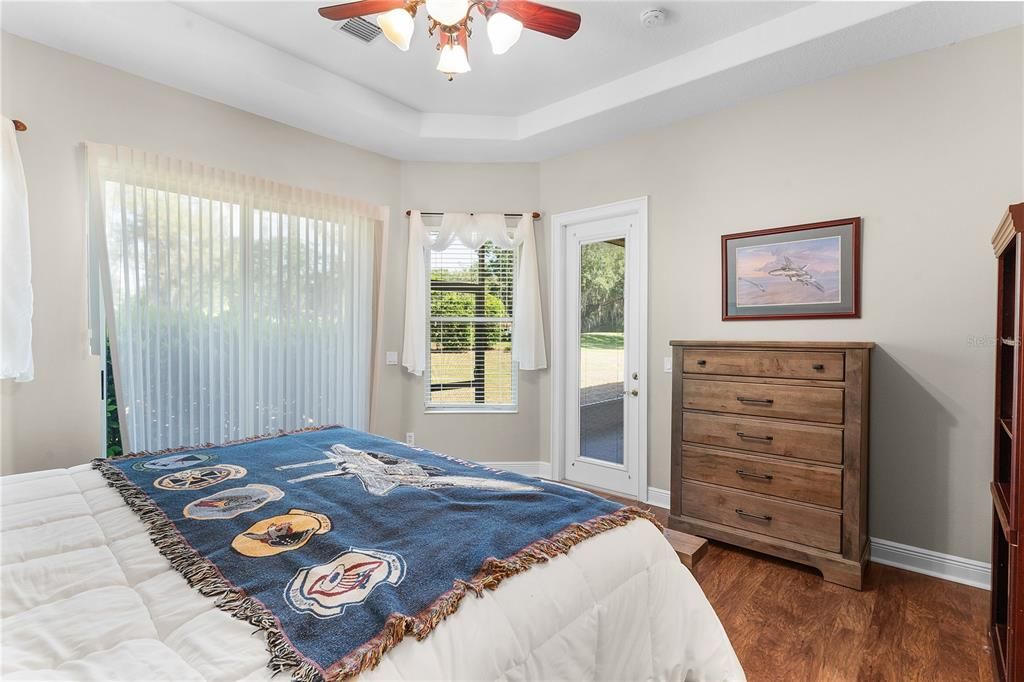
[(87, 595)]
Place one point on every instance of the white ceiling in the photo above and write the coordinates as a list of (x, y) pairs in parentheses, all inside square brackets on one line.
[(537, 71), (544, 97)]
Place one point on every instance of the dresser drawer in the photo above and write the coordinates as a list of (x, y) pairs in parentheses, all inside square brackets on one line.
[(766, 363), (775, 518), (817, 443), (801, 482), (809, 403)]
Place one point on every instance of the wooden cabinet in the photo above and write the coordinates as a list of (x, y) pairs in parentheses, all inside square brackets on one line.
[(770, 449), (1007, 619)]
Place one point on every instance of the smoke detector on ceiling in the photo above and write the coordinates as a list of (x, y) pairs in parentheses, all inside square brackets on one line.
[(653, 18)]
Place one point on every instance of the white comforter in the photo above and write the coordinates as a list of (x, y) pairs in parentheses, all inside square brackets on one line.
[(87, 596)]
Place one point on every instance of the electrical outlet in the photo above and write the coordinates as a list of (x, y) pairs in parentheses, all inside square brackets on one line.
[(410, 438), (668, 364), (391, 358)]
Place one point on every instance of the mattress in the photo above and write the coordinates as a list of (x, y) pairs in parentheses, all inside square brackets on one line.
[(86, 596)]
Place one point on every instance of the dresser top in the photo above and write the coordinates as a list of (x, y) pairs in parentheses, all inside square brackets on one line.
[(788, 345)]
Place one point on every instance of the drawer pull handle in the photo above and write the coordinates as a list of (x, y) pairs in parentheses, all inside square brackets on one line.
[(756, 517), (750, 474), (819, 367), (702, 363), (747, 436), (757, 401)]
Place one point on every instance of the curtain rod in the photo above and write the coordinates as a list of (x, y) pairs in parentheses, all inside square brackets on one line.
[(536, 216), (19, 125)]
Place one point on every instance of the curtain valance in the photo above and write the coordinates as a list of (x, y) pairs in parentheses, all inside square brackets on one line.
[(472, 231), (144, 168)]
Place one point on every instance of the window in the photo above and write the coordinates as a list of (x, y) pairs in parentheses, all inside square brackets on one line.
[(470, 329), (235, 307)]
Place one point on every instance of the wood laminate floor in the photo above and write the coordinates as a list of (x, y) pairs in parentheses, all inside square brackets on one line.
[(788, 625)]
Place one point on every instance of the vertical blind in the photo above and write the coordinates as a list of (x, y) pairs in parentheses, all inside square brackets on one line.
[(236, 306), (471, 298)]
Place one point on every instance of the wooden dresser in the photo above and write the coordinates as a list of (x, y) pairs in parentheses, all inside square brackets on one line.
[(770, 449)]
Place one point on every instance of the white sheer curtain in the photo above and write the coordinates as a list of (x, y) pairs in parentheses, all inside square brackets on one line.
[(235, 306), (16, 286), (472, 231)]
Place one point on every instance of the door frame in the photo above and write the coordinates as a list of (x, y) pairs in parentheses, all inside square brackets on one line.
[(560, 222)]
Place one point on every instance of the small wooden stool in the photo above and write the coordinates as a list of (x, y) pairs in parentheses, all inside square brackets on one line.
[(690, 548)]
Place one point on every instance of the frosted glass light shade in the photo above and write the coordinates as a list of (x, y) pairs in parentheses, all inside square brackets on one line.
[(453, 60), (448, 12), (398, 27), (503, 32)]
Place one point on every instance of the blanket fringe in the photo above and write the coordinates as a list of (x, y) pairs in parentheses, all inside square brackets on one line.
[(204, 576)]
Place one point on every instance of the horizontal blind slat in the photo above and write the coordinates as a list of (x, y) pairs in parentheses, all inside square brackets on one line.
[(470, 327)]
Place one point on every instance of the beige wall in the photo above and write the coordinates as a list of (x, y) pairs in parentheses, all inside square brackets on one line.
[(928, 151), (55, 420)]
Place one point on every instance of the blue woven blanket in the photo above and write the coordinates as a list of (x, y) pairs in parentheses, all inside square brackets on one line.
[(338, 543)]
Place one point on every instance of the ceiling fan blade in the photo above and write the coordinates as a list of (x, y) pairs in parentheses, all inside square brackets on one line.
[(541, 18), (359, 9)]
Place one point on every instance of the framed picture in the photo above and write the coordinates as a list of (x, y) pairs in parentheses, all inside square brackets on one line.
[(796, 272)]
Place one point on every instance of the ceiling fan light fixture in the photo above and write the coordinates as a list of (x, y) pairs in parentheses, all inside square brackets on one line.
[(448, 12), (398, 27), (453, 60), (503, 31)]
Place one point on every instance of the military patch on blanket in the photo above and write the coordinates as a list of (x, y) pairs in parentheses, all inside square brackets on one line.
[(338, 543)]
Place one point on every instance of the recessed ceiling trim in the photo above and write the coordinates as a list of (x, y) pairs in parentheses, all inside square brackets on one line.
[(172, 45), (797, 27)]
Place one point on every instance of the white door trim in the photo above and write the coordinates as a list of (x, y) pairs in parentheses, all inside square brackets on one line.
[(559, 223)]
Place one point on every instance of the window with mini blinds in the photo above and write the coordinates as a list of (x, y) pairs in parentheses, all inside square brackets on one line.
[(469, 363)]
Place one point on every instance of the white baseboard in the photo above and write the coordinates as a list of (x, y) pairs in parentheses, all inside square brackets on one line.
[(889, 553), (658, 498), (886, 552), (534, 468), (936, 564)]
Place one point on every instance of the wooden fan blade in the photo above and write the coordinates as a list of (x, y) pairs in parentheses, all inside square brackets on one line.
[(541, 18), (359, 9)]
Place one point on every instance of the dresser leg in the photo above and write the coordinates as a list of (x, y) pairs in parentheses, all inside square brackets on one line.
[(846, 574)]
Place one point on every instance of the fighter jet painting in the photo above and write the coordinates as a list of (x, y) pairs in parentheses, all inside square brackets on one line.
[(801, 271), (790, 273), (381, 473), (797, 275)]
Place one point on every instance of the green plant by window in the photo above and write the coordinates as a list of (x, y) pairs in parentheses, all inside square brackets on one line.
[(114, 447)]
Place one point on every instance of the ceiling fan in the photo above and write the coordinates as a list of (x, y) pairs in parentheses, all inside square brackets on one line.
[(451, 20)]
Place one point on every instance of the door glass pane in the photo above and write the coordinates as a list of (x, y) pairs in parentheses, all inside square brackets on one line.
[(602, 352)]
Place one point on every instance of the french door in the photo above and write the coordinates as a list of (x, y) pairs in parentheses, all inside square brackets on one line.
[(602, 349)]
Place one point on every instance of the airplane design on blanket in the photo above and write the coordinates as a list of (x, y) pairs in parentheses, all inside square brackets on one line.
[(380, 473)]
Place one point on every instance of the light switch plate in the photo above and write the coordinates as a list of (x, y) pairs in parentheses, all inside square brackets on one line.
[(668, 364), (391, 357)]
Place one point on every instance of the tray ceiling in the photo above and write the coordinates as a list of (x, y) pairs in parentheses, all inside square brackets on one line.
[(542, 98)]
